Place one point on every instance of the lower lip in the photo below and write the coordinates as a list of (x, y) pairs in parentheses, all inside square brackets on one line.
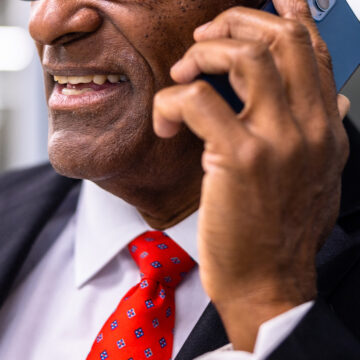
[(59, 101)]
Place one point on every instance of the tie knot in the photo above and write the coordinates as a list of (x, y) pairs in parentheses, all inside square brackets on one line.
[(160, 258)]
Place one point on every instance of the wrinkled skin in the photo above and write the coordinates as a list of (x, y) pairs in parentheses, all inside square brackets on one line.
[(114, 144), (271, 189)]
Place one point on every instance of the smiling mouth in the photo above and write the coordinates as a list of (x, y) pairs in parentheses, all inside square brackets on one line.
[(75, 92), (78, 85)]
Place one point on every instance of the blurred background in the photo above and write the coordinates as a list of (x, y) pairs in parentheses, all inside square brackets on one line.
[(23, 114)]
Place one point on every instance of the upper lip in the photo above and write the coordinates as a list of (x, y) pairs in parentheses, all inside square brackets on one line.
[(82, 70)]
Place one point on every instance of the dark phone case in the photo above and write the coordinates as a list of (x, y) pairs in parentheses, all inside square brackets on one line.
[(341, 31)]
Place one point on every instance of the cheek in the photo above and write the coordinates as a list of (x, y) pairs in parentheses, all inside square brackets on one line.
[(169, 32)]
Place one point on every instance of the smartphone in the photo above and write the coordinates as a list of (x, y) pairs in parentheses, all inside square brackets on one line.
[(340, 29)]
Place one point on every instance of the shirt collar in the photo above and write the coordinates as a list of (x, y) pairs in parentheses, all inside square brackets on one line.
[(105, 224)]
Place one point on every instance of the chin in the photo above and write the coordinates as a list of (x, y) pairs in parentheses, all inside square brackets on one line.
[(84, 156), (78, 162)]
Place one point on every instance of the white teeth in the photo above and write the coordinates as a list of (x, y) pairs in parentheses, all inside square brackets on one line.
[(100, 79), (67, 91), (61, 79), (113, 78), (97, 79), (79, 79)]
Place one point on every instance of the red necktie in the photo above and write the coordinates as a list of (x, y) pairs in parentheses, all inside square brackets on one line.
[(142, 325)]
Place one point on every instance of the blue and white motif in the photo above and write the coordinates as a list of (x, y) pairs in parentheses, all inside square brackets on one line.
[(162, 246), (144, 284), (156, 264), (149, 304), (133, 248), (131, 313), (155, 323), (139, 333), (103, 355), (162, 342), (120, 343), (149, 239), (167, 279), (162, 294), (114, 325), (148, 352), (168, 312), (99, 338), (175, 260), (144, 254)]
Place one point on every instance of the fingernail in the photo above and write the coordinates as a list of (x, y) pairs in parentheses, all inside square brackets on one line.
[(203, 27)]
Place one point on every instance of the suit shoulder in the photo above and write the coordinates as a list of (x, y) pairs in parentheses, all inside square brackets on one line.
[(26, 175), (30, 182), (27, 178)]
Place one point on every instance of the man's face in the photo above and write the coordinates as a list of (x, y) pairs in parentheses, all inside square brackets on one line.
[(98, 131)]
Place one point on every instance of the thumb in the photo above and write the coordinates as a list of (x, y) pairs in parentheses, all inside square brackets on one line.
[(343, 105)]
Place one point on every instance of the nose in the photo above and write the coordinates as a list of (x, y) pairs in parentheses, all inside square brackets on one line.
[(57, 22)]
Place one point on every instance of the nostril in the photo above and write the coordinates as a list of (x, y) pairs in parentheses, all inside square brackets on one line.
[(68, 38)]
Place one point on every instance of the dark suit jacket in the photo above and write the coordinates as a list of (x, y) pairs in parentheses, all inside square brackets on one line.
[(35, 204)]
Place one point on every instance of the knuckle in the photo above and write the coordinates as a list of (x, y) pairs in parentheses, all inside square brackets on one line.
[(229, 16), (322, 51), (253, 50), (321, 138), (329, 144), (294, 146), (199, 88), (320, 46), (302, 8), (252, 154), (295, 30), (232, 13)]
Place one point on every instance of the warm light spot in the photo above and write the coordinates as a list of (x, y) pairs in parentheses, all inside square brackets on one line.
[(17, 49)]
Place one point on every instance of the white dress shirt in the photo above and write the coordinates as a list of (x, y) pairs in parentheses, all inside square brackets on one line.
[(58, 310)]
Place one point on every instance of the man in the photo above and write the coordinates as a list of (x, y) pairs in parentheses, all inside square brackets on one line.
[(267, 201)]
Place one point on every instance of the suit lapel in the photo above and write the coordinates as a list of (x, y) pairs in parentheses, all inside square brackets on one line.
[(335, 260), (49, 233), (350, 197), (340, 254), (208, 335), (24, 210)]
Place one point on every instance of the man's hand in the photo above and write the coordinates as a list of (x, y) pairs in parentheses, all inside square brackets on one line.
[(271, 189)]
